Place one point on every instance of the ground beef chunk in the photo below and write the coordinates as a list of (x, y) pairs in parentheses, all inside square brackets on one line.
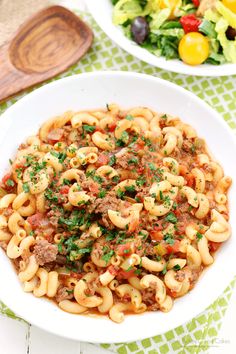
[(61, 260), (188, 273), (148, 296), (54, 216), (101, 205), (63, 293), (45, 252), (188, 146), (123, 161)]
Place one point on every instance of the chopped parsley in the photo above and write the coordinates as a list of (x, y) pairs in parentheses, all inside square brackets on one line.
[(129, 117), (130, 189), (98, 179), (177, 267), (10, 183), (112, 160), (50, 195), (60, 155), (164, 271), (138, 271), (25, 187), (199, 236), (169, 239), (171, 218), (88, 128), (133, 160), (141, 180), (107, 256), (102, 193), (110, 234), (152, 166), (66, 182), (120, 194), (76, 219)]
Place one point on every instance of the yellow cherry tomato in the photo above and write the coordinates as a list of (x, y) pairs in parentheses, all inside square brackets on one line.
[(231, 4), (194, 48)]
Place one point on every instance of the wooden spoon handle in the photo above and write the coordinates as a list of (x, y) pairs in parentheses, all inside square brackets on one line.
[(10, 77)]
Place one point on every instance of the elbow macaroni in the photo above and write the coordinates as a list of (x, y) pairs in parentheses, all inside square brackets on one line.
[(113, 210)]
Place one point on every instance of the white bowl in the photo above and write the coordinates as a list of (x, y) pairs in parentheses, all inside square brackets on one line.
[(90, 91), (102, 12)]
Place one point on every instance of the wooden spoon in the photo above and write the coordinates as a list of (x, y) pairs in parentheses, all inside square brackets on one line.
[(44, 46)]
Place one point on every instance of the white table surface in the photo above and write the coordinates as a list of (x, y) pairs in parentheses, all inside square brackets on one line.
[(20, 338)]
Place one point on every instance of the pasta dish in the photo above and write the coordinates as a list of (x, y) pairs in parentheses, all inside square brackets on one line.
[(113, 210)]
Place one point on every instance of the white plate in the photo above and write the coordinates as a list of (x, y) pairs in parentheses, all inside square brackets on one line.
[(101, 10), (90, 91)]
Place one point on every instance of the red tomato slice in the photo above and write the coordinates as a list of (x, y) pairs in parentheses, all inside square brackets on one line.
[(102, 160), (64, 189)]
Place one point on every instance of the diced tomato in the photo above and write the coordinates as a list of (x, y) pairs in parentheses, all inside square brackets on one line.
[(103, 159), (139, 145), (158, 227), (125, 250), (196, 2), (64, 189), (171, 293), (112, 127), (214, 246), (173, 248), (140, 170), (8, 182), (182, 170), (98, 129), (111, 269), (55, 134), (35, 220), (190, 23), (133, 225), (177, 212), (190, 179), (76, 275), (123, 274), (94, 188), (156, 235), (6, 178)]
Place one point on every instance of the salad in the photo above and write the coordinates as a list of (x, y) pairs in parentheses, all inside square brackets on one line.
[(194, 31)]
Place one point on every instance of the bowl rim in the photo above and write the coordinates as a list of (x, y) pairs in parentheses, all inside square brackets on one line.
[(227, 277), (174, 65)]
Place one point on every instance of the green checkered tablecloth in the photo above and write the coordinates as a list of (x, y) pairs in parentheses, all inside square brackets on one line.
[(201, 332)]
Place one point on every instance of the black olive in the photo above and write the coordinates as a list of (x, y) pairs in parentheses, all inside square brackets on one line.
[(231, 33), (139, 29)]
